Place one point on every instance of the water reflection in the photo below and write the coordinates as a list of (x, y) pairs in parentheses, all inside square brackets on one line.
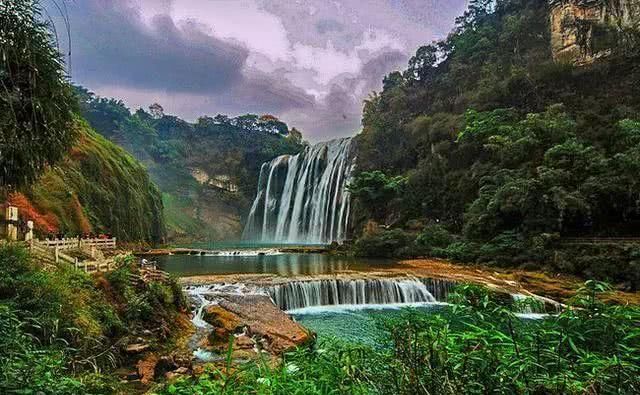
[(283, 265)]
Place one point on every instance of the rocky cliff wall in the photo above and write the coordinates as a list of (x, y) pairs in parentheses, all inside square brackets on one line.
[(585, 30)]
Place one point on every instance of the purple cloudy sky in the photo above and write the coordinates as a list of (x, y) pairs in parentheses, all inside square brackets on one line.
[(309, 62)]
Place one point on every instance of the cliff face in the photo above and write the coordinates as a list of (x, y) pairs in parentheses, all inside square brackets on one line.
[(585, 30)]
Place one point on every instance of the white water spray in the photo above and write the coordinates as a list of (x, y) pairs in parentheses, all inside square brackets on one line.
[(303, 198)]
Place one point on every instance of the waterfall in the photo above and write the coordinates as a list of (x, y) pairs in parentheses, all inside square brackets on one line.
[(303, 198), (355, 293), (301, 294), (534, 305)]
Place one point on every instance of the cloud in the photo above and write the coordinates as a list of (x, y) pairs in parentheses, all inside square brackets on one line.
[(112, 44), (339, 112), (309, 62)]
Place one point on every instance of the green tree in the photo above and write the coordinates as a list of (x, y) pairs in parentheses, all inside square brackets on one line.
[(375, 190), (36, 102)]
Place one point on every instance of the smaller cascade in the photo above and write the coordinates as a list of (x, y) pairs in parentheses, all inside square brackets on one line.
[(302, 294), (534, 305), (440, 289), (203, 296), (313, 295)]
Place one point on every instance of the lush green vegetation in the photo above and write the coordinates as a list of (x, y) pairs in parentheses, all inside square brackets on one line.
[(36, 103), (229, 150), (505, 149), (58, 172), (96, 188), (62, 330), (477, 347)]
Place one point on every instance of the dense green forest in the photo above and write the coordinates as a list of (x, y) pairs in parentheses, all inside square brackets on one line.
[(226, 153), (502, 151)]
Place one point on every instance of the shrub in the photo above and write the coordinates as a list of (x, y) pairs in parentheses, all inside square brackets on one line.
[(387, 244), (159, 294), (462, 251), (433, 239), (506, 248)]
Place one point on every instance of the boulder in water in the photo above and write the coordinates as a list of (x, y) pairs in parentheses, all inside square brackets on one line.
[(256, 317)]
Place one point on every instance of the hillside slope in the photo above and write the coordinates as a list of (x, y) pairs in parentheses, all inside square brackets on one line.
[(97, 188), (207, 171)]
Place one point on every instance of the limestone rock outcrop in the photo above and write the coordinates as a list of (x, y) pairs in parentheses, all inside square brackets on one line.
[(255, 322), (584, 30)]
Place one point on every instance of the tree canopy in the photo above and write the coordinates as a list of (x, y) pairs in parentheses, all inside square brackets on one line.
[(36, 102), (503, 145)]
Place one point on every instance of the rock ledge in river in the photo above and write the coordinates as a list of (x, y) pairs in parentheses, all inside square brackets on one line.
[(256, 317)]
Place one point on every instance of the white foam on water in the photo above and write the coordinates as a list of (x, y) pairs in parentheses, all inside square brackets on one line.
[(533, 316), (348, 308), (244, 253)]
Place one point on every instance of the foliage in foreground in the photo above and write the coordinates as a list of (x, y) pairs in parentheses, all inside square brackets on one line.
[(478, 347), (63, 329)]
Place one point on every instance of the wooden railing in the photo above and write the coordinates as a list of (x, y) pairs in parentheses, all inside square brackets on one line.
[(107, 265), (50, 253), (44, 255), (101, 244), (50, 257), (62, 257), (146, 275), (76, 242), (60, 244)]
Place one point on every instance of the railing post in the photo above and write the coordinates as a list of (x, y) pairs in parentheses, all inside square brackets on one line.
[(76, 264), (56, 253)]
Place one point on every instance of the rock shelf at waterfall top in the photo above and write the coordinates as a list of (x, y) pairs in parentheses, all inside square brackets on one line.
[(554, 286)]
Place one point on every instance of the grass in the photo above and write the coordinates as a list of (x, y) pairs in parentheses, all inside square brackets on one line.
[(179, 217)]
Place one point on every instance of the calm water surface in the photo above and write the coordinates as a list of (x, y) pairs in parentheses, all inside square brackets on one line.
[(283, 264)]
